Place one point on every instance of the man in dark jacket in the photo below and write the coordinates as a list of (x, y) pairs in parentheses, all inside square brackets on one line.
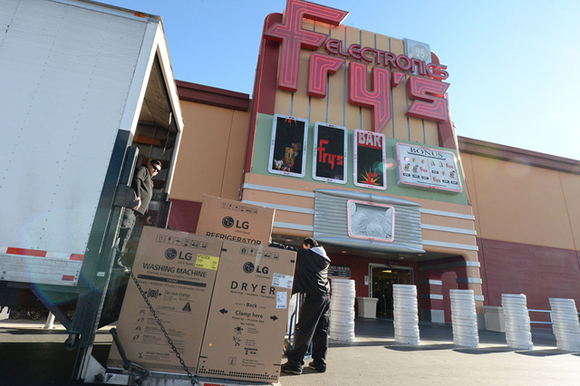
[(311, 279), (143, 186)]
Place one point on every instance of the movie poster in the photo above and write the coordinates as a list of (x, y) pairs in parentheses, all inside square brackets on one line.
[(288, 146), (329, 153), (370, 160)]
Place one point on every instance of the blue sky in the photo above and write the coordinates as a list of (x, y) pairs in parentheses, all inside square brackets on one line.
[(511, 62)]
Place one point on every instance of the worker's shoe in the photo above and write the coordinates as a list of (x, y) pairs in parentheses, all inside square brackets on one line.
[(313, 366), (290, 369), (120, 264)]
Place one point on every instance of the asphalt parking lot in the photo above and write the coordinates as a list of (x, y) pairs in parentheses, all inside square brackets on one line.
[(32, 355)]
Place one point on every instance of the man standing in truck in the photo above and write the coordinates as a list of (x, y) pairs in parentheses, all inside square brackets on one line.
[(143, 186)]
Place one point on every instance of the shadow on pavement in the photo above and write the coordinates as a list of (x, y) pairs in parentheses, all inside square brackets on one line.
[(483, 350), (543, 353), (422, 347)]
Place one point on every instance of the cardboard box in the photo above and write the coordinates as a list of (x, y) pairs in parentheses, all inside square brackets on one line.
[(247, 321), (177, 270), (236, 221)]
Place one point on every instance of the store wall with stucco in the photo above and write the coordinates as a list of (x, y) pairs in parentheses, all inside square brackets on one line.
[(212, 151), (528, 227), (520, 203)]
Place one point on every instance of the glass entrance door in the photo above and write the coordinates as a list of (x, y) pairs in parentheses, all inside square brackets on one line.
[(382, 278)]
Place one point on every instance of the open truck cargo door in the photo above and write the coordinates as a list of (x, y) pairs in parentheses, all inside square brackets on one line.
[(82, 82)]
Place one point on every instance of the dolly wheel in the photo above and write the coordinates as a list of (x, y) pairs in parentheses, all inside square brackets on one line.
[(14, 314), (34, 315), (72, 342)]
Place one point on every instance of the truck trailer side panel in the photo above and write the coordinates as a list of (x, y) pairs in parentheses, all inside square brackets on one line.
[(67, 75), (83, 86)]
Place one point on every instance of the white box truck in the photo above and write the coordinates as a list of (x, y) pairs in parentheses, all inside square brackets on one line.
[(86, 94)]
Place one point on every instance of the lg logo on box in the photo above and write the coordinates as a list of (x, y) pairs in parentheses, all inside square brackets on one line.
[(249, 268), (229, 222), (172, 253)]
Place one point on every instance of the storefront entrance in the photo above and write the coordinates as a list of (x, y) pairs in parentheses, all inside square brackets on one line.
[(382, 279)]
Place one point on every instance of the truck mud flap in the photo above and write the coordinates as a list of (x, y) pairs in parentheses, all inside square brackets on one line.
[(114, 297)]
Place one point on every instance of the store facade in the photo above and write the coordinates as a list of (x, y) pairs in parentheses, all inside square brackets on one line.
[(348, 137)]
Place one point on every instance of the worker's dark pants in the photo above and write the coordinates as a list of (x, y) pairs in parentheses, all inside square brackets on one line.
[(313, 322), (127, 225)]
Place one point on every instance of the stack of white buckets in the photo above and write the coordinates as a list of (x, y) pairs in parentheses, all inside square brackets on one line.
[(517, 321), (566, 327), (464, 318), (405, 315), (342, 309)]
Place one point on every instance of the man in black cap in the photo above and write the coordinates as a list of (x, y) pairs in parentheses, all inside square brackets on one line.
[(143, 186), (311, 279)]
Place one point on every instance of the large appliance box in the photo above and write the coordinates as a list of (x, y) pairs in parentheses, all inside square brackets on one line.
[(236, 221), (177, 271), (247, 321)]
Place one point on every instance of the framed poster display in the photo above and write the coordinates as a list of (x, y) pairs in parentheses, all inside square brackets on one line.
[(370, 169), (288, 146), (369, 220), (424, 167), (329, 153)]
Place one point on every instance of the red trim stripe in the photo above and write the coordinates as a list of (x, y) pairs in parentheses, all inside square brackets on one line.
[(264, 96), (76, 256), (28, 252)]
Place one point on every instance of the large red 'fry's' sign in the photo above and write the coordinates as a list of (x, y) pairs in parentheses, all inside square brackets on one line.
[(425, 87)]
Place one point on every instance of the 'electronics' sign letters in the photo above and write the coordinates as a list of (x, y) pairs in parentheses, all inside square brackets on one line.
[(389, 69)]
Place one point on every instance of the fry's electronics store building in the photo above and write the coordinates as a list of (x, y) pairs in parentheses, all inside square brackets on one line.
[(348, 136)]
